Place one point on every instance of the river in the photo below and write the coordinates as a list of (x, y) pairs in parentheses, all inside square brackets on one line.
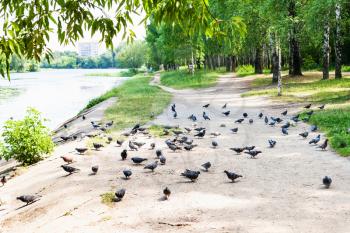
[(57, 94)]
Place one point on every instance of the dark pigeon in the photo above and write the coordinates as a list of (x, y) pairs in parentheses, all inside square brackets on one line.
[(315, 140), (324, 145), (327, 181), (81, 150), (237, 150), (284, 113), (206, 106), (260, 115), (138, 160), (151, 166), (307, 106), (28, 199), (205, 116), (227, 113), (127, 173), (200, 134), (253, 153), (272, 143), (234, 130), (70, 169), (97, 146), (284, 131), (162, 160), (206, 166), (232, 176), (245, 115), (124, 154), (304, 134), (94, 169), (192, 175), (214, 144), (120, 194), (239, 121), (166, 193), (225, 105)]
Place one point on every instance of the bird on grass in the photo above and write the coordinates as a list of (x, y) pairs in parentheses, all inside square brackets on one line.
[(200, 134), (192, 175), (253, 153), (119, 194), (3, 180), (322, 106), (70, 169), (138, 160), (309, 113), (239, 121), (132, 146), (205, 116), (307, 106), (81, 150), (260, 115), (120, 142), (327, 181), (151, 166), (214, 144), (127, 173), (94, 169), (67, 159), (315, 140), (304, 134), (324, 145), (206, 166), (162, 159), (272, 143), (237, 150), (227, 113), (284, 113), (109, 124), (232, 176), (206, 106), (97, 146), (225, 105), (28, 199), (284, 131), (109, 140), (166, 193), (234, 130), (266, 120)]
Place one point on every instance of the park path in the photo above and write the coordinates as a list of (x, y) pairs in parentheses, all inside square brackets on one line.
[(280, 191)]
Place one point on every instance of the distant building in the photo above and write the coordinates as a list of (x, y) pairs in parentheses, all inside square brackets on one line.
[(88, 49)]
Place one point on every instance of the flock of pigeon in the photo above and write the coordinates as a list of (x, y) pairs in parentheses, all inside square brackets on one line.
[(182, 141)]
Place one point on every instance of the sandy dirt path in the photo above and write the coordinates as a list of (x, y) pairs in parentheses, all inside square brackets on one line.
[(280, 192)]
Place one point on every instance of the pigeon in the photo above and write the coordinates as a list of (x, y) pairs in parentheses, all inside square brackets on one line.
[(65, 126), (109, 140), (215, 134), (313, 128), (174, 147), (64, 138), (173, 108), (327, 181), (284, 113), (81, 150), (237, 150), (239, 121), (124, 154), (189, 147), (260, 115), (286, 125), (295, 119), (206, 106), (225, 105), (70, 169), (3, 180), (232, 176), (97, 146), (307, 106), (315, 140), (109, 124), (175, 115), (120, 142), (120, 194), (285, 131), (304, 134), (245, 115), (309, 113), (177, 132), (127, 173), (206, 166), (138, 160), (272, 123), (166, 193), (249, 148), (205, 116), (272, 143), (159, 153), (227, 113), (139, 144), (152, 146), (151, 166), (188, 130), (67, 159), (214, 144), (28, 199), (132, 146), (94, 169), (277, 119), (253, 153), (162, 159), (192, 175), (324, 145), (266, 120), (234, 130), (136, 127), (199, 129), (322, 106), (251, 121), (193, 118), (200, 134), (83, 117), (222, 125)]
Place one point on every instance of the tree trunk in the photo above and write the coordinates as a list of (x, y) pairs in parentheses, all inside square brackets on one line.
[(276, 59), (258, 60), (233, 63), (338, 42), (295, 57), (228, 64), (326, 49)]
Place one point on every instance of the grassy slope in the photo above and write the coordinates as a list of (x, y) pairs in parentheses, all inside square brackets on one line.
[(126, 73), (334, 121), (136, 101), (182, 79)]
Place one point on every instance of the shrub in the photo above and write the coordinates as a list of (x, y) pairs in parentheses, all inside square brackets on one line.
[(309, 63), (245, 70), (26, 140)]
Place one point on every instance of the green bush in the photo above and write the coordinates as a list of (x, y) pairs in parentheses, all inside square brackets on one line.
[(26, 140), (345, 68), (309, 63), (245, 70)]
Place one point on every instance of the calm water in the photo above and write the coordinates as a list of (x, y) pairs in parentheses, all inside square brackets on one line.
[(57, 94)]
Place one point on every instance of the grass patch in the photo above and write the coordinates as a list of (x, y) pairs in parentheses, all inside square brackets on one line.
[(245, 70), (123, 73), (108, 199), (182, 79), (138, 102), (335, 123)]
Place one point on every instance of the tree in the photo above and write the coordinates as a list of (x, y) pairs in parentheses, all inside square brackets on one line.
[(133, 55), (338, 41)]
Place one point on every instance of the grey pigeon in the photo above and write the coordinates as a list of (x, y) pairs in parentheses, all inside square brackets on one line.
[(304, 134), (251, 121), (214, 144), (97, 146), (120, 142), (28, 198), (285, 131), (162, 160), (206, 166), (315, 140), (225, 105), (253, 153), (127, 173), (313, 128), (138, 160), (120, 194), (132, 146), (237, 150), (272, 143), (234, 130), (139, 144), (266, 120), (81, 150), (205, 116), (70, 169), (94, 169), (232, 176), (192, 175), (151, 166), (327, 181)]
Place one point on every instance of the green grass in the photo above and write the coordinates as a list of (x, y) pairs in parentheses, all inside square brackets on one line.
[(138, 102), (124, 73), (335, 123), (108, 199), (247, 70), (182, 79)]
